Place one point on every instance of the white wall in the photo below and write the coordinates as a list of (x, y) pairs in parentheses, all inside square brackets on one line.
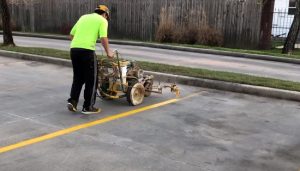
[(281, 21), (282, 4)]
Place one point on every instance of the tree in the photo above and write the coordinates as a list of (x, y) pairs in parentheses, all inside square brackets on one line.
[(6, 24), (291, 39), (266, 24)]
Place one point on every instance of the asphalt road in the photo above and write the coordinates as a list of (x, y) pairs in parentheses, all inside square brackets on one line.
[(278, 70), (210, 131)]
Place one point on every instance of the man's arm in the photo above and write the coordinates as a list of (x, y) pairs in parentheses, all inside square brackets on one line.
[(103, 37), (105, 44)]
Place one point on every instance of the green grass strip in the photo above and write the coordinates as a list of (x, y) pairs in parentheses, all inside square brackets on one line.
[(222, 76), (272, 52), (179, 70), (38, 51)]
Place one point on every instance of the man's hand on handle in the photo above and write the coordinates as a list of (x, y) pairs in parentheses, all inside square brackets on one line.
[(110, 54)]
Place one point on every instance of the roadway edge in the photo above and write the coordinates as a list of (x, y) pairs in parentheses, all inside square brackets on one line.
[(171, 47)]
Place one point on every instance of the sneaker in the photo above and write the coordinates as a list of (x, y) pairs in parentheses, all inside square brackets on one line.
[(72, 106), (90, 110)]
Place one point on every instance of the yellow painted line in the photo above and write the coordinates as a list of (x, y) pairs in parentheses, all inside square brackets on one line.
[(86, 125)]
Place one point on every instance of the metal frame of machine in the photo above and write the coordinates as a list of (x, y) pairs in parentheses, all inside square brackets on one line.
[(122, 78)]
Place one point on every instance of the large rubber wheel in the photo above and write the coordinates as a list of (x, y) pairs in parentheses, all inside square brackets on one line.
[(148, 87), (135, 94)]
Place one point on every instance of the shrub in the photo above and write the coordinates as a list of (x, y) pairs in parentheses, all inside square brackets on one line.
[(193, 29), (210, 36), (165, 30), (186, 35)]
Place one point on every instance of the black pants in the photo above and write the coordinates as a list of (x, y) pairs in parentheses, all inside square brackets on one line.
[(85, 72)]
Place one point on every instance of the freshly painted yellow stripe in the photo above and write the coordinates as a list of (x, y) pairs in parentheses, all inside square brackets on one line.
[(82, 126), (86, 125)]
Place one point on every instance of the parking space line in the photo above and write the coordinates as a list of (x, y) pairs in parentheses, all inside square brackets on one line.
[(87, 125)]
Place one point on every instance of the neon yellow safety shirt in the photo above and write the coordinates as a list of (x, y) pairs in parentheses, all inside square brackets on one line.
[(87, 30)]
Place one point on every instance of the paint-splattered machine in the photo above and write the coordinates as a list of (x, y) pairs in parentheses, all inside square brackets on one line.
[(122, 78)]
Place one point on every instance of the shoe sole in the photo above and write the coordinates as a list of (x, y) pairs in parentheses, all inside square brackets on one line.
[(71, 107), (90, 113)]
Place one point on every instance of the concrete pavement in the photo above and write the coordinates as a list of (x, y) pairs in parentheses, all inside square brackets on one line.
[(213, 130)]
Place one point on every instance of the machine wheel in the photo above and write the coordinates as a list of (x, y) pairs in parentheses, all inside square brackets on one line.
[(148, 87), (135, 94)]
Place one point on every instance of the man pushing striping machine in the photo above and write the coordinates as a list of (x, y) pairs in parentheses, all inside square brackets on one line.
[(84, 35), (111, 78)]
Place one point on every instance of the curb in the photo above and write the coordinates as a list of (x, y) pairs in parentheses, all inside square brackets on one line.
[(38, 58), (191, 81), (228, 86), (179, 48)]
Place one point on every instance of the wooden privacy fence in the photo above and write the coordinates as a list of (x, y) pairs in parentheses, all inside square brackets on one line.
[(237, 20)]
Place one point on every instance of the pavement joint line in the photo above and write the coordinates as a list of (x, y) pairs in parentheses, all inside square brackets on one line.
[(90, 124), (7, 123), (32, 119), (25, 118)]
